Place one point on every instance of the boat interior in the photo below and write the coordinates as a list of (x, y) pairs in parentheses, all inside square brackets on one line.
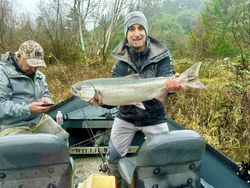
[(178, 158)]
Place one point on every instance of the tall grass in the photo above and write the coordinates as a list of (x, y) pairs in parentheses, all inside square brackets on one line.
[(221, 116), (217, 114)]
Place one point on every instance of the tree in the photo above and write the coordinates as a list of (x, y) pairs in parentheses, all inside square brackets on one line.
[(87, 9), (7, 26), (110, 24), (54, 36), (217, 19), (175, 6), (150, 8), (241, 29), (198, 41), (187, 19), (226, 27), (169, 32)]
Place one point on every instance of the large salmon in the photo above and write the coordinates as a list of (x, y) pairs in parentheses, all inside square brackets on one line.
[(132, 90)]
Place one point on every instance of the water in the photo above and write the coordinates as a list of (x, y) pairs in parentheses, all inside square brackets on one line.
[(59, 118)]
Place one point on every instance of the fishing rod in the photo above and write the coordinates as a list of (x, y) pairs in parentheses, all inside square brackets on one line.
[(104, 166), (90, 139)]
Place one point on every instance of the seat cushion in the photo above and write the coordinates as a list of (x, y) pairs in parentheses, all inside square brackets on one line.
[(126, 168), (171, 147), (29, 150)]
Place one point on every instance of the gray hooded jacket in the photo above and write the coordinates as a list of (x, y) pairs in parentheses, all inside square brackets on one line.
[(157, 64), (17, 91)]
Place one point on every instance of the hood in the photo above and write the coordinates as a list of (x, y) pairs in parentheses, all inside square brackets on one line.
[(7, 58), (120, 52)]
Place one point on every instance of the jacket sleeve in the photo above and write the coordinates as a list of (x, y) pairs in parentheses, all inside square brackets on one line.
[(165, 67), (9, 108), (118, 70)]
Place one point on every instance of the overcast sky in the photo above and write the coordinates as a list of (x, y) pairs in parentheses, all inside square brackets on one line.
[(27, 4)]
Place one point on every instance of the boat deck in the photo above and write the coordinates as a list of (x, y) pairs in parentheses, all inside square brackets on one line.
[(87, 166)]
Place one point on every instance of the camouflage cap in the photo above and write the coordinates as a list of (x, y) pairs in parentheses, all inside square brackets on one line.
[(33, 53)]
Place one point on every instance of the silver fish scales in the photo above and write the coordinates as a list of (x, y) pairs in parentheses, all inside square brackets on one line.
[(132, 90)]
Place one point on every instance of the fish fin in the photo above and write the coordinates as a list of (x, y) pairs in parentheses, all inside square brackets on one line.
[(136, 76), (190, 77), (140, 105), (96, 101)]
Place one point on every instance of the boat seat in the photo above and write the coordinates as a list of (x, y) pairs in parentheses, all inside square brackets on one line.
[(35, 160), (165, 160)]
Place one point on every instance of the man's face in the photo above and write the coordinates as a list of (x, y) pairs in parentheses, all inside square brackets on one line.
[(25, 66), (136, 36)]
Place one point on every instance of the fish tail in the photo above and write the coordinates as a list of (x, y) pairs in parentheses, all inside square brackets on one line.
[(190, 77)]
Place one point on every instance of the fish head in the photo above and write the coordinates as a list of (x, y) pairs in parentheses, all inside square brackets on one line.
[(84, 91)]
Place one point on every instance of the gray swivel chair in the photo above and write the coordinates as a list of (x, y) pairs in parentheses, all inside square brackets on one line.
[(166, 160), (35, 160)]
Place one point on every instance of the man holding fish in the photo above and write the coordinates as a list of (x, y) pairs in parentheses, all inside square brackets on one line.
[(143, 55)]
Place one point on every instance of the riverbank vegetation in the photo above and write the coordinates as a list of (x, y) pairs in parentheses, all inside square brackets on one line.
[(81, 35)]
